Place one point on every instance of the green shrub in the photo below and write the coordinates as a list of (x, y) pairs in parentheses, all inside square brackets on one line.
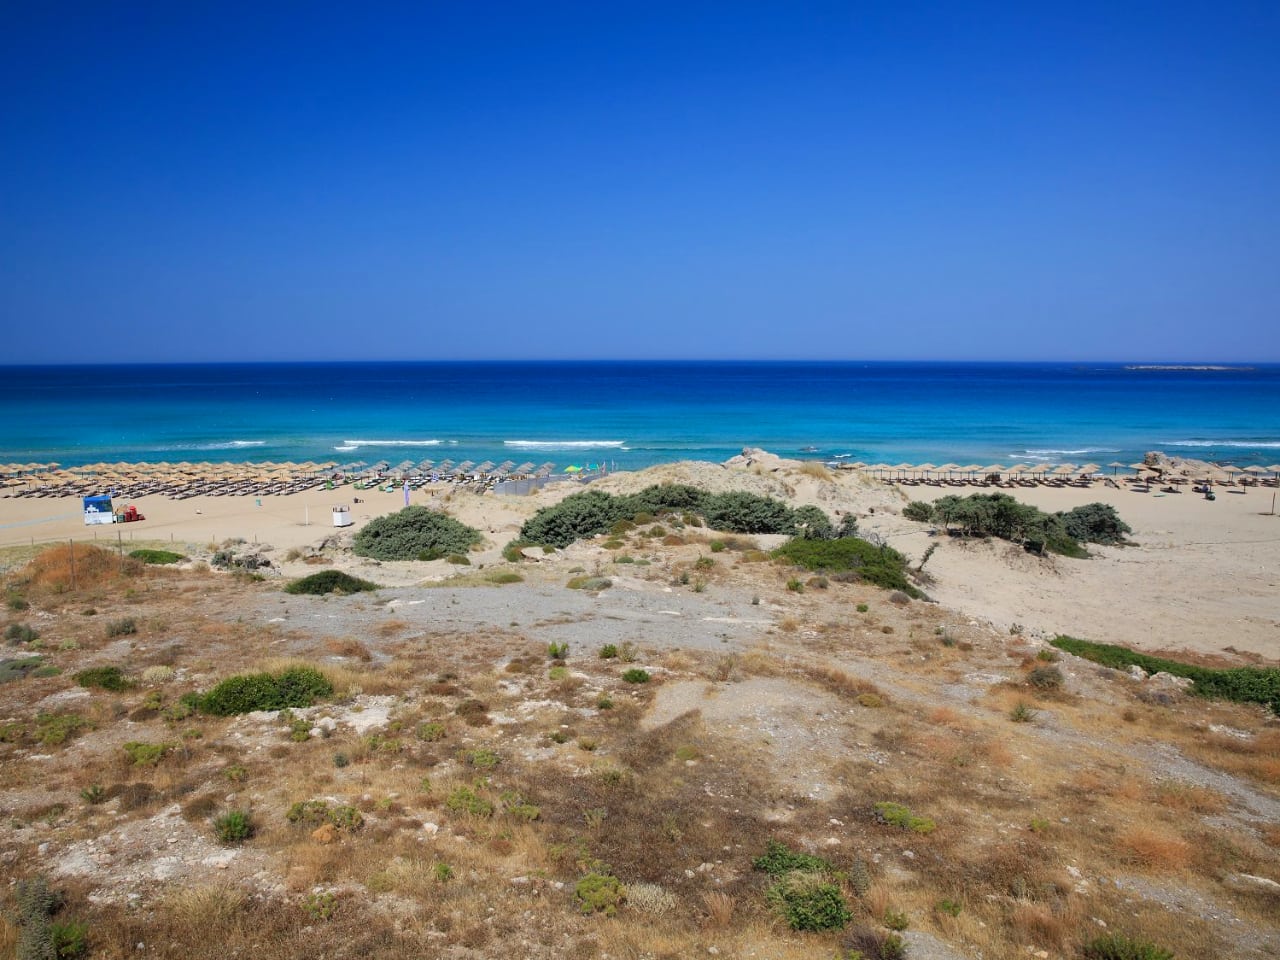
[(795, 585), (918, 510), (600, 893), (1045, 678), (897, 815), (412, 531), (19, 668), (1095, 523), (157, 556), (234, 826), (295, 687), (717, 546), (1022, 713), (330, 581), (608, 651), (16, 602), (108, 678), (70, 939), (880, 565), (503, 576), (126, 626), (16, 633), (512, 551), (458, 560), (93, 794), (1241, 684), (557, 651), (778, 859), (54, 729), (481, 757), (142, 754), (862, 608), (590, 584), (431, 730), (1115, 946), (809, 901), (1000, 515), (636, 675), (466, 801)]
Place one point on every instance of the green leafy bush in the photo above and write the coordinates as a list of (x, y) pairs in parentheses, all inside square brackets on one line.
[(1045, 678), (809, 901), (54, 729), (107, 678), (464, 800), (1241, 684), (1115, 946), (157, 556), (1000, 515), (234, 826), (778, 859), (880, 565), (124, 627), (600, 893), (330, 581), (918, 510), (295, 687), (609, 651), (591, 512), (16, 633), (1095, 523), (636, 675), (413, 531), (897, 815), (142, 754), (19, 668)]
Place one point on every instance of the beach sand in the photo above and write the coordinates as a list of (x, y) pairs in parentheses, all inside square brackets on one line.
[(1203, 576)]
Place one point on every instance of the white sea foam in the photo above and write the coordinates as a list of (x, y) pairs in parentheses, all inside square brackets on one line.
[(565, 444), (1050, 456), (1260, 444), (218, 445), (357, 444)]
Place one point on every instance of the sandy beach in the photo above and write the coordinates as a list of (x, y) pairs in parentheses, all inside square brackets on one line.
[(1202, 576)]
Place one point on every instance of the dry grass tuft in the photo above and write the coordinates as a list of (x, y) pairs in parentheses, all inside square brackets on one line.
[(1154, 849), (812, 468), (392, 627), (842, 683), (57, 567), (719, 907), (349, 647)]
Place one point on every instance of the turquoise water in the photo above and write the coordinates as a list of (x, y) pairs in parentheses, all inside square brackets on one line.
[(631, 415)]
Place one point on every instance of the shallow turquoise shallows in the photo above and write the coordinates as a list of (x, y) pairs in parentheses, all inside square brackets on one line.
[(634, 414)]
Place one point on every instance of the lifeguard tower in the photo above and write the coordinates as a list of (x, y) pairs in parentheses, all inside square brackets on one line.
[(342, 516)]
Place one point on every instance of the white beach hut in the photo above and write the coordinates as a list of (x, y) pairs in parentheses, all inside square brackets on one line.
[(342, 516)]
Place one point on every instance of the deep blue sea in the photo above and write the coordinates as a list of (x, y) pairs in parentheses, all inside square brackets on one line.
[(633, 414)]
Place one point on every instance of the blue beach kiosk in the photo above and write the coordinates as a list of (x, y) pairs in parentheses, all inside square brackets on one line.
[(98, 510)]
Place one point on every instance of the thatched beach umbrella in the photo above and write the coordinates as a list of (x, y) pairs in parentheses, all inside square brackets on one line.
[(1089, 468), (926, 467), (1065, 470), (996, 468)]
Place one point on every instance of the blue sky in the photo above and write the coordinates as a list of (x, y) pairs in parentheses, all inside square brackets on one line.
[(573, 180)]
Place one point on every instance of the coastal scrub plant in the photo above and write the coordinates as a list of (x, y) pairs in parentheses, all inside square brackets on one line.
[(330, 581), (234, 826), (413, 532), (804, 889), (244, 693), (1115, 946)]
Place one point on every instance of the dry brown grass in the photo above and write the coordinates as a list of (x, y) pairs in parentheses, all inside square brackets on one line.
[(719, 907), (349, 647), (87, 566), (843, 683), (393, 627), (812, 468), (1153, 848)]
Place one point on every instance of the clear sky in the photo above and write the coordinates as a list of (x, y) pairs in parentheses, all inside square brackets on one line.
[(439, 180)]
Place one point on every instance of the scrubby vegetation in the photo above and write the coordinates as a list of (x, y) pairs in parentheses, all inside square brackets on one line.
[(1000, 515), (294, 687), (881, 565), (415, 533), (330, 581), (108, 678), (1242, 684), (592, 512), (160, 557)]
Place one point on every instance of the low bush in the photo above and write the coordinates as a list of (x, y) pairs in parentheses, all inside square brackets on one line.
[(330, 581), (157, 556), (295, 687), (466, 801), (145, 754), (778, 859), (636, 675), (1045, 678), (1095, 523), (503, 576), (16, 633), (107, 678), (880, 565), (412, 532), (599, 893), (1000, 515), (897, 815), (234, 826), (918, 510), (19, 668), (1241, 684), (124, 627), (609, 651)]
